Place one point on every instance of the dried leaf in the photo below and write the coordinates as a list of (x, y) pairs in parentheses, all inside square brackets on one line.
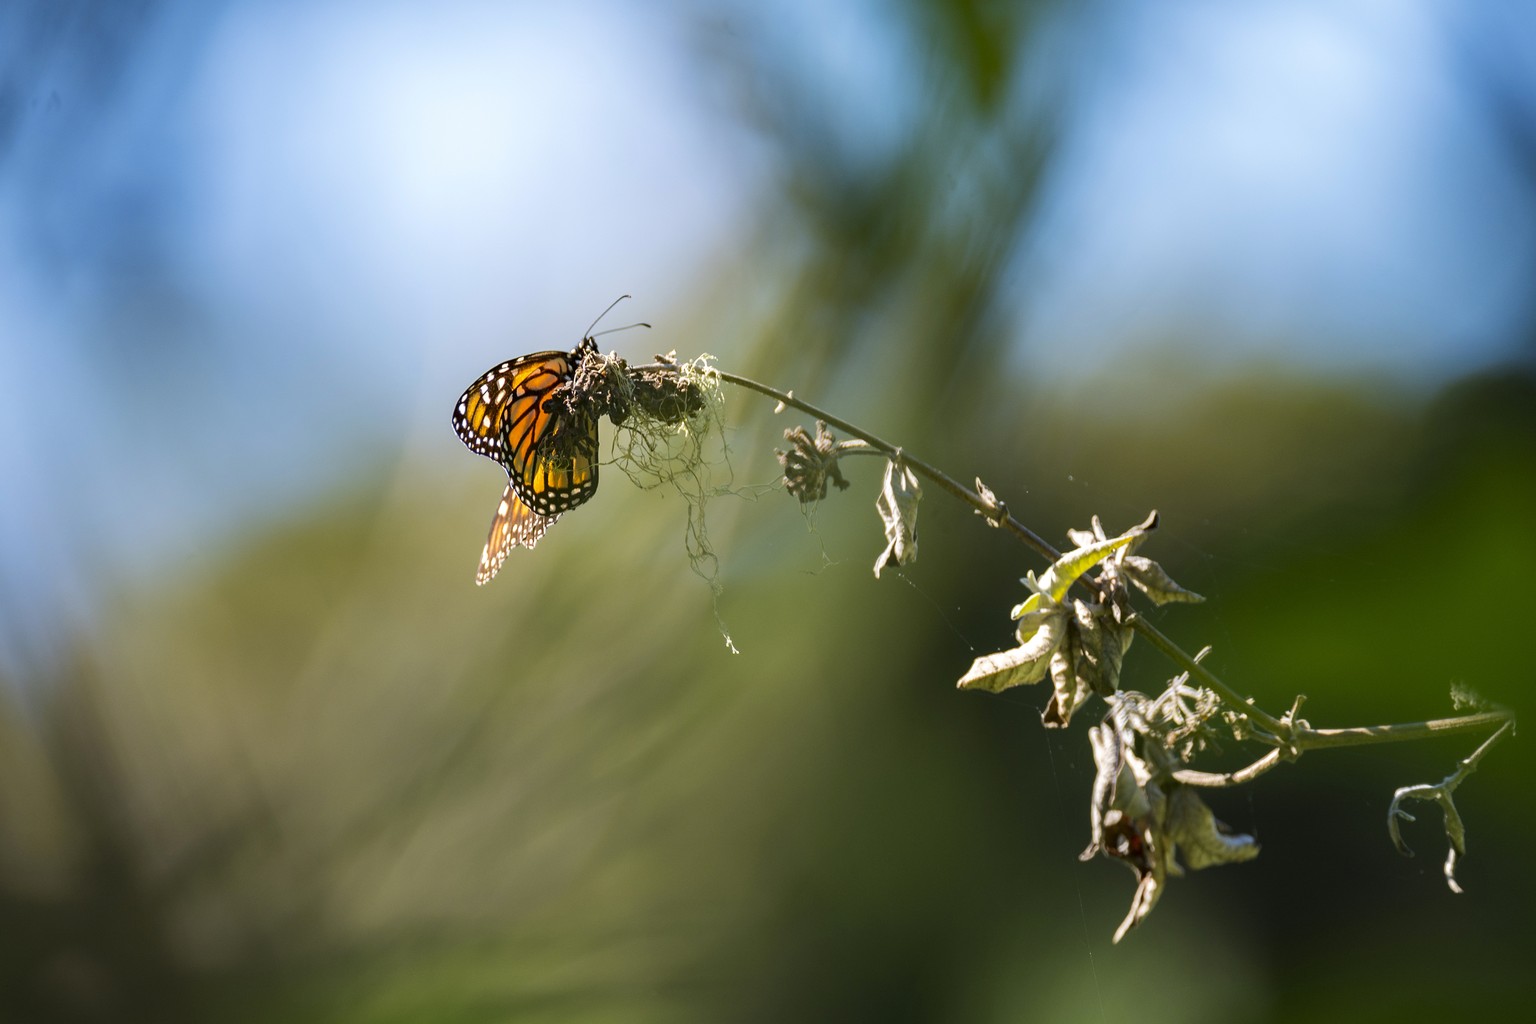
[(1070, 690), (1148, 890), (897, 505), (1027, 663), (1102, 642), (996, 510), (1205, 841), (1002, 671), (1154, 581)]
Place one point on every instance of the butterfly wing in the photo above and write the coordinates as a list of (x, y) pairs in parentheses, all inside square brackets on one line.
[(514, 415), (481, 416), (514, 525), (551, 456)]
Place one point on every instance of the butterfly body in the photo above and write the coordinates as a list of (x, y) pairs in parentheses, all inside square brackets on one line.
[(521, 414)]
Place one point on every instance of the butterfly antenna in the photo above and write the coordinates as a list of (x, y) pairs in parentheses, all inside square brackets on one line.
[(614, 330), (604, 313)]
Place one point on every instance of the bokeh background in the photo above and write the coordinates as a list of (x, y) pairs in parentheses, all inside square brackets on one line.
[(266, 753)]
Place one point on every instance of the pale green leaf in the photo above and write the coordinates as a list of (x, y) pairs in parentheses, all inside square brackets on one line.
[(1065, 571)]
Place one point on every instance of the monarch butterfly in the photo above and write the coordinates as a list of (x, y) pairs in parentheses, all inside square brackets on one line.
[(514, 414)]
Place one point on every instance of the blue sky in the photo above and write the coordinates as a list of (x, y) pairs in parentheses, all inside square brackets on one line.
[(1311, 180), (242, 242)]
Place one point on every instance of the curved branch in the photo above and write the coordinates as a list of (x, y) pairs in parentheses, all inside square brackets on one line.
[(1288, 736), (1307, 738), (1209, 780), (997, 514), (933, 473)]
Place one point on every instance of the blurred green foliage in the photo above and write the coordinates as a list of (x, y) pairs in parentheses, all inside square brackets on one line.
[(327, 779), (331, 780)]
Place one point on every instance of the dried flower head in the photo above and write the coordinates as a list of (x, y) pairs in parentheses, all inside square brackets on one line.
[(665, 396), (810, 463)]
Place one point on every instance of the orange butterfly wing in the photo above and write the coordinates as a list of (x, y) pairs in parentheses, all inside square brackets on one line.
[(549, 453), (483, 411), (514, 525)]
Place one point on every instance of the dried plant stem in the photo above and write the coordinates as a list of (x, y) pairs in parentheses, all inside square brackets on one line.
[(1040, 545), (933, 473), (1443, 794), (1318, 739), (1222, 780), (1288, 736), (1304, 737), (1273, 728)]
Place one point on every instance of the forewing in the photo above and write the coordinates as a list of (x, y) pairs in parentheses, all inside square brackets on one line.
[(482, 415)]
